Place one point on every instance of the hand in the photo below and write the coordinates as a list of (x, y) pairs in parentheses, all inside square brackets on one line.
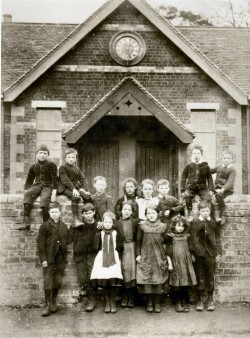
[(166, 213), (75, 193), (99, 226), (44, 264), (138, 259), (193, 258), (85, 191), (211, 193), (53, 196)]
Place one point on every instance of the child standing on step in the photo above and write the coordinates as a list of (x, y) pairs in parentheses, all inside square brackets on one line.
[(106, 271), (183, 275), (130, 188), (72, 183), (53, 238), (196, 180), (224, 182)]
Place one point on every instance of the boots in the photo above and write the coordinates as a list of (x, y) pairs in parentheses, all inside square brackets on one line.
[(210, 302), (107, 302), (149, 307), (26, 219), (91, 300), (53, 307), (76, 221), (47, 310), (185, 299), (200, 304), (217, 214), (113, 308), (157, 304), (45, 214), (178, 307), (124, 302)]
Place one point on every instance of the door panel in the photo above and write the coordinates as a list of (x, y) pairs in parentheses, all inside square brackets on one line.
[(157, 160), (101, 158)]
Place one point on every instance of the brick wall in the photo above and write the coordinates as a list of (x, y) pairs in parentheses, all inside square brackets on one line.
[(21, 273)]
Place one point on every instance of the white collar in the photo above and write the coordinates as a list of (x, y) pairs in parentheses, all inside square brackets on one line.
[(203, 219), (228, 166), (200, 161)]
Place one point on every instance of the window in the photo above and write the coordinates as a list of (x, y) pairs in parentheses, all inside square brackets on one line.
[(203, 123), (49, 123)]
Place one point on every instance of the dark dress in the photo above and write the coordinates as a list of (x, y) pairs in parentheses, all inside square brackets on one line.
[(152, 271)]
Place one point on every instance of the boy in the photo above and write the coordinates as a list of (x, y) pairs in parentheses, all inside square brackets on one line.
[(72, 183), (224, 182), (196, 180), (53, 238), (84, 252), (41, 180), (101, 200), (206, 249), (168, 205)]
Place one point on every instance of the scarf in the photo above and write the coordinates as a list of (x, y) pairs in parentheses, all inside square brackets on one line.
[(108, 249)]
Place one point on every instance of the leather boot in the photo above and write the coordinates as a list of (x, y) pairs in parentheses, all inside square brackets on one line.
[(25, 224), (178, 306), (149, 307), (107, 302), (113, 308), (45, 214), (124, 302), (53, 307), (210, 302), (131, 303), (157, 304), (47, 310), (200, 304), (76, 221), (91, 300)]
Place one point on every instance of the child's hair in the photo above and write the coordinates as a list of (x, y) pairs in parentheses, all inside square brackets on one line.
[(147, 181), (70, 151), (178, 219), (163, 182), (109, 214), (130, 180), (197, 146), (99, 178), (228, 152), (203, 205), (42, 147), (87, 207), (129, 203), (55, 205), (152, 206)]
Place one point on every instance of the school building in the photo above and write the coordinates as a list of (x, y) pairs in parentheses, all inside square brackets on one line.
[(131, 93)]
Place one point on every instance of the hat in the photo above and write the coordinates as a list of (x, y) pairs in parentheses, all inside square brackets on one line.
[(42, 147), (55, 205)]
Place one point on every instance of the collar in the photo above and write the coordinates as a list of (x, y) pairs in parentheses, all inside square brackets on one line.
[(42, 162), (99, 195), (53, 223), (161, 196), (228, 166), (203, 219), (200, 161)]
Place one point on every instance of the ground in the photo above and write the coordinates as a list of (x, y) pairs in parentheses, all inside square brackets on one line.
[(228, 321)]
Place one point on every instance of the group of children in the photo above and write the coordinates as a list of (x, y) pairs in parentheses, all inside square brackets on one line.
[(143, 244)]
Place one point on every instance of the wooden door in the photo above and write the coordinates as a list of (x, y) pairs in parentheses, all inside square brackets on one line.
[(157, 160), (101, 158)]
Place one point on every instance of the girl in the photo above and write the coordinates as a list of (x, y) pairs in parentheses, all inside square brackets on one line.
[(106, 271), (152, 267), (130, 188), (183, 274), (147, 189), (127, 227)]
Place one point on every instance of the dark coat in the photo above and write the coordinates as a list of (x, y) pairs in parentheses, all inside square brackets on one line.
[(102, 203), (51, 238), (119, 228), (118, 206), (71, 177), (197, 176), (169, 203), (44, 173), (84, 240), (225, 178), (205, 236)]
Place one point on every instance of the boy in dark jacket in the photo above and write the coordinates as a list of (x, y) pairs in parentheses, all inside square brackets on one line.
[(72, 183), (206, 249), (224, 183), (53, 238), (84, 252), (41, 180), (196, 180)]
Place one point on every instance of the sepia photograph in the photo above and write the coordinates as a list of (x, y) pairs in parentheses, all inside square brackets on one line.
[(125, 169)]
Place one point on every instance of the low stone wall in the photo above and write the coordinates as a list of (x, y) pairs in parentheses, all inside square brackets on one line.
[(21, 272)]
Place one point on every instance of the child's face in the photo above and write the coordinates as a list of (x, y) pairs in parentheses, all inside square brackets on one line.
[(196, 155), (205, 212), (152, 215), (88, 215), (179, 228), (107, 223), (227, 159), (100, 186), (70, 158), (55, 214), (163, 189), (130, 188), (126, 211), (42, 155), (147, 190)]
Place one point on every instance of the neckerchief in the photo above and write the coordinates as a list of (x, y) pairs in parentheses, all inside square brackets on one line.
[(108, 249)]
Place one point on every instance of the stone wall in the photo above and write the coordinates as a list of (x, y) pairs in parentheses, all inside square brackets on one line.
[(21, 273)]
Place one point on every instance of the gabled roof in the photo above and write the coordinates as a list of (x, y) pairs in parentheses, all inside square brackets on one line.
[(128, 85), (174, 34)]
